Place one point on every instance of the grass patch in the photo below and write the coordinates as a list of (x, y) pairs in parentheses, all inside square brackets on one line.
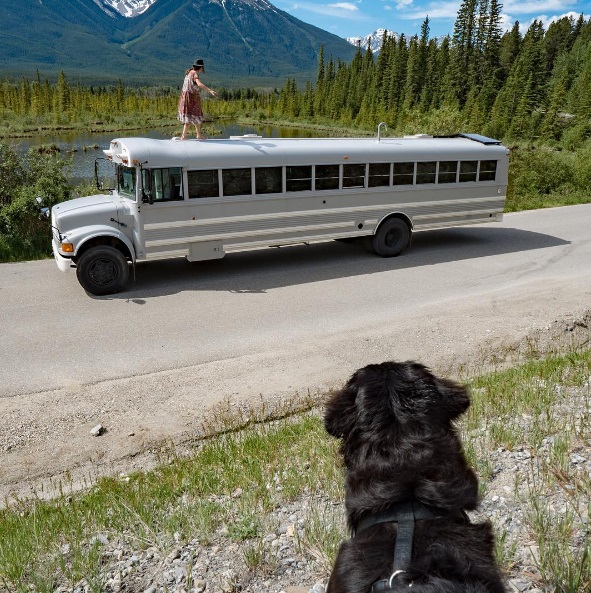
[(230, 483)]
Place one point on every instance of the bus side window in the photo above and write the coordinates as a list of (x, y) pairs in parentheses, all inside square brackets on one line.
[(298, 178), (426, 172), (162, 185), (379, 174), (353, 175), (447, 171), (326, 177), (488, 171), (468, 171), (268, 180), (403, 174), (237, 182), (174, 182), (203, 184)]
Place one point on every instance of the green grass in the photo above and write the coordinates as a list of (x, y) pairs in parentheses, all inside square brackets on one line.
[(231, 482)]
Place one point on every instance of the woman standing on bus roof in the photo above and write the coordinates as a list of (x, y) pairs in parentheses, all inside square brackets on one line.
[(190, 110)]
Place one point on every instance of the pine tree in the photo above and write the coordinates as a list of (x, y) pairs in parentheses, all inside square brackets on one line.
[(557, 40), (410, 95), (462, 52), (509, 49), (61, 102), (398, 67), (552, 125), (319, 92)]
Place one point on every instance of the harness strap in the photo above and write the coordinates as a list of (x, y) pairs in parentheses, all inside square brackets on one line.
[(405, 514), (420, 511), (404, 537)]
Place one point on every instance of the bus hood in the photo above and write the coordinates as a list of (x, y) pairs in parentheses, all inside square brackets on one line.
[(101, 209)]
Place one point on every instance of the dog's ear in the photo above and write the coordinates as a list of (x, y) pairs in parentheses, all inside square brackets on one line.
[(340, 410), (422, 393), (455, 397)]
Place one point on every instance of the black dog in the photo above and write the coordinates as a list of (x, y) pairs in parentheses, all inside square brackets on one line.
[(408, 485)]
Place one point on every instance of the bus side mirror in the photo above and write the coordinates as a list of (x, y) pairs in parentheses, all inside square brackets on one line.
[(44, 212), (147, 199)]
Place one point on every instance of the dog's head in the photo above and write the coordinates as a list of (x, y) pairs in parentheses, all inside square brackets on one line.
[(398, 440), (391, 397)]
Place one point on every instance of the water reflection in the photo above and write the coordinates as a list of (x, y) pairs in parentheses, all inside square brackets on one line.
[(82, 148)]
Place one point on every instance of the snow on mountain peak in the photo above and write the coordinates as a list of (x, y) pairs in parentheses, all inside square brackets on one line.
[(373, 40), (129, 8)]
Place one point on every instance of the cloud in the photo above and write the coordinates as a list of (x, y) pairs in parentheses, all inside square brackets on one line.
[(344, 6), (401, 4), (343, 10), (449, 9), (536, 6), (435, 10), (548, 20)]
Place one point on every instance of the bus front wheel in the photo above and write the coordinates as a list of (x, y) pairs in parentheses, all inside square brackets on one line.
[(102, 270), (391, 238)]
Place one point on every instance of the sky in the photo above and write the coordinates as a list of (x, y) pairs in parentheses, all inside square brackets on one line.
[(358, 18)]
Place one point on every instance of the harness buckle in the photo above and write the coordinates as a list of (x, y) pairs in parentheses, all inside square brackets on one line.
[(393, 576)]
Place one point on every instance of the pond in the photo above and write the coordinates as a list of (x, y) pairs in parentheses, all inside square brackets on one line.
[(84, 148)]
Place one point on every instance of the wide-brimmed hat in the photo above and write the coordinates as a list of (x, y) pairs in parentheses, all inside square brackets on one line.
[(199, 64)]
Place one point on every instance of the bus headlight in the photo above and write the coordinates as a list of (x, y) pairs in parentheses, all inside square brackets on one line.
[(67, 247)]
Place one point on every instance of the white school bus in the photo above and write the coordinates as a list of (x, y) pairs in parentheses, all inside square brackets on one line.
[(203, 199)]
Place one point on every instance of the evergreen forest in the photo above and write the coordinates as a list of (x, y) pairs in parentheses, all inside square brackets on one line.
[(530, 90)]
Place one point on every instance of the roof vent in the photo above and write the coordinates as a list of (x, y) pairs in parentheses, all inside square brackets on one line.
[(245, 137)]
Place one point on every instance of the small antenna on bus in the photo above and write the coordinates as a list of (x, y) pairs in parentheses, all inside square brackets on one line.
[(383, 123)]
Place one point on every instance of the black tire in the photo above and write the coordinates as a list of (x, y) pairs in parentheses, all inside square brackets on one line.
[(102, 270), (391, 238)]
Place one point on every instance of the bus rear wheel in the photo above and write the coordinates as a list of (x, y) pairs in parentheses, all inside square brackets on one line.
[(102, 270), (391, 238)]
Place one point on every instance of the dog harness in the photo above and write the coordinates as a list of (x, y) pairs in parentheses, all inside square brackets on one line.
[(406, 514)]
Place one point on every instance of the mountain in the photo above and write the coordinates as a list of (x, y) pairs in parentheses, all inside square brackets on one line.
[(373, 40), (148, 42)]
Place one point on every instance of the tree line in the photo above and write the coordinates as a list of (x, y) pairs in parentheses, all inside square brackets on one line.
[(504, 85)]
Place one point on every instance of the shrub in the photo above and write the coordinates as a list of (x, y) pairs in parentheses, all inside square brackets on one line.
[(23, 234), (543, 177)]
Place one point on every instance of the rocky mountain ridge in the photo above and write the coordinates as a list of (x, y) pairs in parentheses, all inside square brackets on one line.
[(147, 42)]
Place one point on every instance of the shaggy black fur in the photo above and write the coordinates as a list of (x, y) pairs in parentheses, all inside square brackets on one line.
[(399, 443)]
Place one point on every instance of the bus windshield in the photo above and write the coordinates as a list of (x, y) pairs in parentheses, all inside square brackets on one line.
[(126, 181)]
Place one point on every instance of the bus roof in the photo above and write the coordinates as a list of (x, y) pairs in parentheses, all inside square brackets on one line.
[(255, 151)]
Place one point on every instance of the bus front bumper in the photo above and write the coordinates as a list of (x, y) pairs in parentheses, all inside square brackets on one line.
[(65, 264)]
